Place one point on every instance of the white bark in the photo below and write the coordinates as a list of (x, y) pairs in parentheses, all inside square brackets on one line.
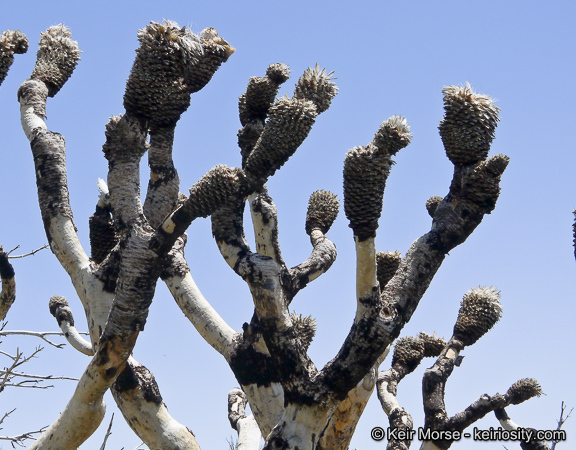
[(366, 280), (148, 416), (204, 318), (301, 426), (267, 404), (75, 339), (76, 431), (508, 424), (30, 120), (249, 436), (82, 414), (264, 220)]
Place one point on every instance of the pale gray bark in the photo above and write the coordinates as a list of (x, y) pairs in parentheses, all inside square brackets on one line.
[(249, 436)]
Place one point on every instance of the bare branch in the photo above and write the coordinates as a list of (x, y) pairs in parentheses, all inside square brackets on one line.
[(19, 439), (108, 433), (39, 334), (61, 311), (195, 307), (33, 252), (561, 421)]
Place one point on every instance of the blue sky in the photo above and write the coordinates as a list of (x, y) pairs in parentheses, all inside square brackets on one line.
[(389, 57)]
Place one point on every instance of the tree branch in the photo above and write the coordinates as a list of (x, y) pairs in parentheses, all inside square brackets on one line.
[(249, 436), (61, 311), (321, 214), (265, 223), (195, 307), (509, 425), (138, 397), (408, 354)]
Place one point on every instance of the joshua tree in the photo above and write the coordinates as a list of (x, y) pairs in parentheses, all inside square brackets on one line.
[(295, 405)]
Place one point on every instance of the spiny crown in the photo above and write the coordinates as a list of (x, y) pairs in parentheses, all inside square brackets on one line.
[(523, 390), (480, 309), (213, 190), (289, 122), (408, 352), (56, 58), (468, 126), (433, 345), (157, 89), (432, 203), (305, 328), (317, 86), (393, 135), (13, 41), (366, 170), (322, 211), (261, 93)]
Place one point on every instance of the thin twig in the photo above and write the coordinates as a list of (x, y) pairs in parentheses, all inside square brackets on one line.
[(40, 334), (17, 360), (6, 415), (26, 386), (108, 433), (33, 252), (19, 439), (561, 421), (40, 377)]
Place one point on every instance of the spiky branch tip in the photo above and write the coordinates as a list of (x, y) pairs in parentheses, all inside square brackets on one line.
[(317, 86), (480, 309), (56, 58), (393, 135), (322, 211), (468, 126), (523, 390)]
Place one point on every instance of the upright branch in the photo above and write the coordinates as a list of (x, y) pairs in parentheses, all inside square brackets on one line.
[(249, 436), (408, 353)]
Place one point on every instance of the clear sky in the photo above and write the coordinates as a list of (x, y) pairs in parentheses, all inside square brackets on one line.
[(389, 57)]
